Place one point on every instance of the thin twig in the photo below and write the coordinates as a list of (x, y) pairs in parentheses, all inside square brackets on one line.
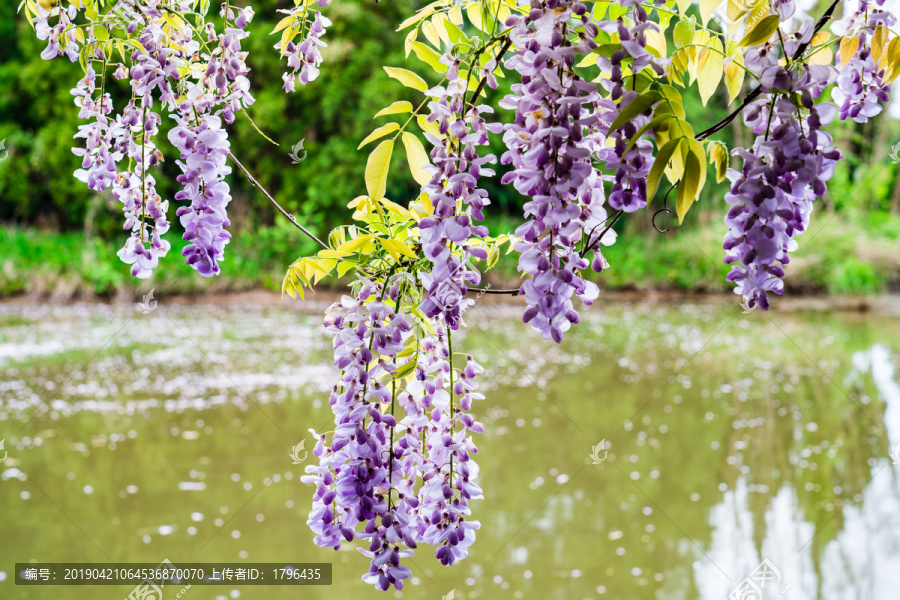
[(755, 92), (483, 81), (288, 215), (514, 292), (591, 245)]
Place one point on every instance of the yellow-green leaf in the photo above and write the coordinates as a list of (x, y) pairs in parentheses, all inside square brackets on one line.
[(428, 56), (879, 41), (710, 69), (417, 157), (355, 244), (707, 8), (849, 46), (396, 248), (377, 169), (428, 126), (379, 132), (398, 107), (431, 33), (718, 156), (284, 23), (407, 78), (405, 370), (761, 32), (824, 55), (473, 11), (101, 33), (892, 63), (734, 72)]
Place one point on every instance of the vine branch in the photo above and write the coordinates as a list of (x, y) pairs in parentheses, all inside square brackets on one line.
[(755, 92), (287, 215)]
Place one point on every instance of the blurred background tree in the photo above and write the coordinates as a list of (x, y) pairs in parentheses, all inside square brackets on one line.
[(856, 253)]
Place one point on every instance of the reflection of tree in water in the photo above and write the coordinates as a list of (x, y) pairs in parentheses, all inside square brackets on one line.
[(751, 451)]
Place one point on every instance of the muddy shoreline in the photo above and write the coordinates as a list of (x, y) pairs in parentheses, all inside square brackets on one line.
[(887, 304)]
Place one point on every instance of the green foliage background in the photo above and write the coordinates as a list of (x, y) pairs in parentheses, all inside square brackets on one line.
[(80, 230)]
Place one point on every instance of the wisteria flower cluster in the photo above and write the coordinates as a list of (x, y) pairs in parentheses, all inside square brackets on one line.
[(304, 58), (397, 470), (406, 478), (454, 184), (784, 171), (861, 88), (120, 150), (551, 158), (630, 166)]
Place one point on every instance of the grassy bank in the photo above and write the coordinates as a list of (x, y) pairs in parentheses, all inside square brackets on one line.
[(852, 256)]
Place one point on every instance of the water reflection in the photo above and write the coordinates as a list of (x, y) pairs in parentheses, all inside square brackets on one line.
[(732, 439)]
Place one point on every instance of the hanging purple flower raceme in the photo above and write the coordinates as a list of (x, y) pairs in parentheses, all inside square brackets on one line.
[(550, 152), (304, 58), (783, 172), (204, 150), (630, 166), (227, 70), (145, 211), (61, 37), (98, 165), (408, 478), (861, 89), (157, 69), (448, 469), (453, 191), (355, 477)]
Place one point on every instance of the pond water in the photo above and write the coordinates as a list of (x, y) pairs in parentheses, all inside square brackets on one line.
[(662, 451)]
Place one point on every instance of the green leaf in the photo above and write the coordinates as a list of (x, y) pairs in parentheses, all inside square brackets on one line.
[(693, 179), (101, 33), (407, 78), (654, 125), (637, 106), (377, 169), (659, 165), (405, 370), (683, 33), (417, 158), (761, 32), (398, 107), (379, 132)]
